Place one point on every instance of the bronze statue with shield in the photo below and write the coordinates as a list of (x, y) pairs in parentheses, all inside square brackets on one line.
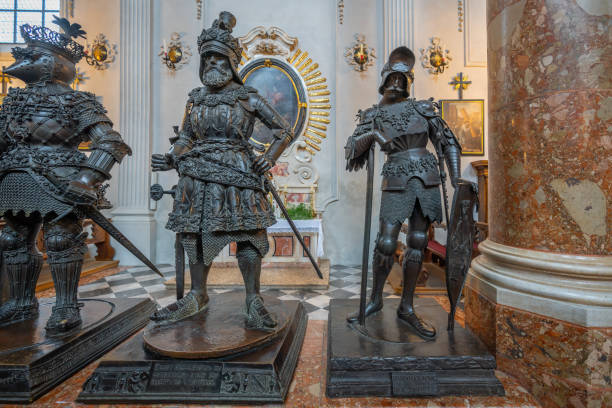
[(404, 352)]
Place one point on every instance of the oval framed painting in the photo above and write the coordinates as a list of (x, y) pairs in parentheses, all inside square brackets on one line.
[(282, 87)]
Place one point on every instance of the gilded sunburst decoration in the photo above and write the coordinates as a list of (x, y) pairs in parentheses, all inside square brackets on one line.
[(290, 79)]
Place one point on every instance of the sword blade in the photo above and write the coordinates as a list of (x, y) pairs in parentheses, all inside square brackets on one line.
[(365, 259), (279, 201), (97, 217)]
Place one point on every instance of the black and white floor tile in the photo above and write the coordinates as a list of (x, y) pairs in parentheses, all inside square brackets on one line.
[(141, 282)]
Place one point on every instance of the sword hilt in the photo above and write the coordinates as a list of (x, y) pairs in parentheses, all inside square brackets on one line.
[(157, 192)]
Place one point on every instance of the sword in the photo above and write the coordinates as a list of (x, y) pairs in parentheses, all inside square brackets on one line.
[(97, 217), (365, 258), (270, 187)]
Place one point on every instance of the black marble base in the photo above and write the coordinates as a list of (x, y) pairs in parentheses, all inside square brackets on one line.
[(32, 363), (132, 374), (390, 360)]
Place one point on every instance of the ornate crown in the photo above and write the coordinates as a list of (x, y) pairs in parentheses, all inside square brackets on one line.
[(218, 38), (62, 43)]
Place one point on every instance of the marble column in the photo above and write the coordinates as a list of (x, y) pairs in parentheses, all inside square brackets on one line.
[(132, 214), (540, 295)]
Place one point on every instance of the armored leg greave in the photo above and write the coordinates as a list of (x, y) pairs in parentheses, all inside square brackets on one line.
[(386, 243), (65, 243), (413, 259), (22, 263), (196, 300), (249, 262)]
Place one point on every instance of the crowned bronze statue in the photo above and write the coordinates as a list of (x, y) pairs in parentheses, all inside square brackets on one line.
[(220, 196), (44, 179)]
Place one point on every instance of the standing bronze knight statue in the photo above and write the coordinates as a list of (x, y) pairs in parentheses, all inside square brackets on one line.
[(221, 196), (411, 178), (400, 354), (44, 179)]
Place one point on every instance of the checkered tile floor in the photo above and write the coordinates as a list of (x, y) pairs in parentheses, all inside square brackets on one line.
[(142, 282)]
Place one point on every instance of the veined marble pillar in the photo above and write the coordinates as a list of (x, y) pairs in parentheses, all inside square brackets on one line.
[(132, 214), (540, 294)]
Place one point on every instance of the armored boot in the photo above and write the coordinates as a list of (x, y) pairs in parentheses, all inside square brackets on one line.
[(249, 262), (195, 301), (22, 267), (411, 267), (65, 249), (381, 266)]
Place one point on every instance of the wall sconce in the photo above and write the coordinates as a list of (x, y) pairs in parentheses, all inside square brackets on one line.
[(359, 55), (100, 54), (174, 54), (435, 58)]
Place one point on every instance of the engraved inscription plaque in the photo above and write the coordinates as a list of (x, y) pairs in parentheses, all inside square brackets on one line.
[(186, 377), (414, 384)]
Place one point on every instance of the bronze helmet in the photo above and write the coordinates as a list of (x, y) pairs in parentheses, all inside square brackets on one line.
[(48, 55), (400, 60), (218, 38)]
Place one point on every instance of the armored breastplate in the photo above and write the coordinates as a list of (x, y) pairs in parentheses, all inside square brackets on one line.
[(221, 116), (35, 117), (402, 123), (219, 122)]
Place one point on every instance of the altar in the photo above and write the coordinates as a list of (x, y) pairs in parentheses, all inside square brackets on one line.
[(286, 265)]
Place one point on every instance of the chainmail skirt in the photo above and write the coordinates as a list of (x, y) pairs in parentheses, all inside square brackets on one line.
[(204, 247), (396, 206), (19, 192)]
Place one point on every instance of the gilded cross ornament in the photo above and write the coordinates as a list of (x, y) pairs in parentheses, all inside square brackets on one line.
[(174, 54), (359, 55), (78, 79), (100, 54), (460, 83), (435, 59)]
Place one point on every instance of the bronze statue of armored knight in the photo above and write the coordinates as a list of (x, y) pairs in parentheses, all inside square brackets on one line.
[(44, 178), (411, 178), (220, 197)]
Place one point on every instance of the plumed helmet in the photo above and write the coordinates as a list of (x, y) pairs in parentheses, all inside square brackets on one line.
[(400, 60), (218, 38)]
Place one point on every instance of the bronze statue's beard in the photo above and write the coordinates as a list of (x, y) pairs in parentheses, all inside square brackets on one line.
[(216, 79)]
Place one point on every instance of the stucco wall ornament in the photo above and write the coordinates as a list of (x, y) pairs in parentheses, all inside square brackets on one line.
[(359, 55), (175, 54), (435, 59), (271, 41), (100, 53)]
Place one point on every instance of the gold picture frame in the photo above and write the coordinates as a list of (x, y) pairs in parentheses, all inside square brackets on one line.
[(465, 117)]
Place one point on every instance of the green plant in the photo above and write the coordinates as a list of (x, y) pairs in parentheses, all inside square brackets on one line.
[(301, 212)]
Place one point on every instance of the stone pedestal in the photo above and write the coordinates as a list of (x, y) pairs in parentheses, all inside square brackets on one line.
[(388, 359), (32, 363), (539, 295), (260, 373)]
